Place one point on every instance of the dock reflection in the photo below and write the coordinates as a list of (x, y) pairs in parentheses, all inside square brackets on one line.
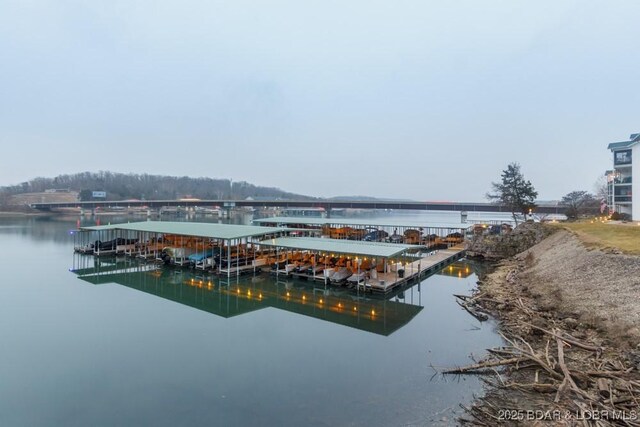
[(215, 295), (460, 269)]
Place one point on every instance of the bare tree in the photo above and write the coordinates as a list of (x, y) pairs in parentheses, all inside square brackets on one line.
[(579, 203), (600, 188)]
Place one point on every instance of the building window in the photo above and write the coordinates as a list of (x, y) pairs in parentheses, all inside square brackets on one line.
[(622, 157)]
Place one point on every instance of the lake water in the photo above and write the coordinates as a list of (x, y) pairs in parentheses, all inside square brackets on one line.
[(136, 347)]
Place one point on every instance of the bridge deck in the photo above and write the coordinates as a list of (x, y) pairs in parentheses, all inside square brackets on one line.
[(325, 204)]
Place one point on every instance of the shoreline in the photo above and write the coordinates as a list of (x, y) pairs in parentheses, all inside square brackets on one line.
[(571, 337), (17, 214)]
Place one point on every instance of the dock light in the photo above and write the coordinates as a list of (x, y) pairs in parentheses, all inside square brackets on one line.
[(249, 293), (355, 308), (209, 284), (238, 290), (304, 297), (323, 301), (339, 305), (288, 294), (260, 296), (373, 312)]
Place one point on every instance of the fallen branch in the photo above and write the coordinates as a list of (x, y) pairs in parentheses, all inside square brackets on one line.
[(569, 340), (479, 316), (567, 375), (538, 387), (485, 365)]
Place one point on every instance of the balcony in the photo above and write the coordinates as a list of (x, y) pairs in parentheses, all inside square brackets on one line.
[(622, 180), (623, 199)]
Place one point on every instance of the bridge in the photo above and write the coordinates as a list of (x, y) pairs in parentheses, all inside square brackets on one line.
[(328, 205)]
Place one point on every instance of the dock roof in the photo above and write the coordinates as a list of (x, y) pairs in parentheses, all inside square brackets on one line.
[(360, 222), (194, 229), (352, 247)]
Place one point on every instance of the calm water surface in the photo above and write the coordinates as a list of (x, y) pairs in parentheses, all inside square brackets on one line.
[(136, 347)]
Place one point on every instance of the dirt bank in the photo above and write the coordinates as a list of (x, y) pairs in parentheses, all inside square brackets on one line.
[(570, 317), (601, 289)]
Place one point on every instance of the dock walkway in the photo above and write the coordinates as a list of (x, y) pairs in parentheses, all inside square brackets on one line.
[(428, 264)]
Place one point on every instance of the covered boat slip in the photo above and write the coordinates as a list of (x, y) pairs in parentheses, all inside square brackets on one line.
[(375, 266), (435, 235), (231, 249), (225, 299)]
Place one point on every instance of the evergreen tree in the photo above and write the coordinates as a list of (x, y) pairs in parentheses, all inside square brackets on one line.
[(514, 192)]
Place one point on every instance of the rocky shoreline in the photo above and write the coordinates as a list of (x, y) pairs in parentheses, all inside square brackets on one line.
[(569, 318)]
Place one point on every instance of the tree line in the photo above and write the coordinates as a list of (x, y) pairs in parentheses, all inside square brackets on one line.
[(519, 195), (513, 190), (120, 186)]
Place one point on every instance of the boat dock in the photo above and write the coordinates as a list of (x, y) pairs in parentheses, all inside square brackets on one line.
[(232, 250), (370, 266), (427, 265), (227, 249), (432, 235)]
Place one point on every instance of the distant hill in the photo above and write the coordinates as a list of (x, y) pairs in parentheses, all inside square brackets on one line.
[(120, 186)]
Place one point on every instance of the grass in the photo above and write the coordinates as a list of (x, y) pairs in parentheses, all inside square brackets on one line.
[(607, 235)]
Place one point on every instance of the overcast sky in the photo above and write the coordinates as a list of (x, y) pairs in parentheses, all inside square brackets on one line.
[(426, 100)]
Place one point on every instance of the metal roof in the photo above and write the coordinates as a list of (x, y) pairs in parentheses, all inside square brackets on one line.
[(360, 222), (196, 229), (352, 247), (621, 144)]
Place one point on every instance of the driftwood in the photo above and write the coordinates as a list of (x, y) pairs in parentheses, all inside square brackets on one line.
[(567, 338), (603, 388), (470, 304), (571, 376), (480, 316), (484, 365)]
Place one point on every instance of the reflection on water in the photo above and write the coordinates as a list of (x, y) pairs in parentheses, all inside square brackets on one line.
[(243, 295), (460, 269), (122, 343)]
